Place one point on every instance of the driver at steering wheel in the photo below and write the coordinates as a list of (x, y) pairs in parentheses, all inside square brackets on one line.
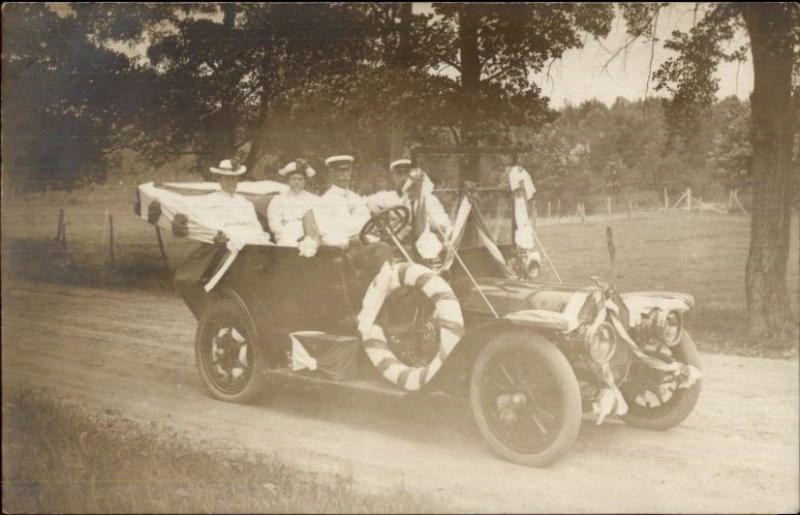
[(408, 192)]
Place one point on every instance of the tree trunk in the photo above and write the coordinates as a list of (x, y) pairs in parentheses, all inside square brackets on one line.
[(258, 141), (260, 131), (223, 124), (769, 27), (402, 63), (469, 20)]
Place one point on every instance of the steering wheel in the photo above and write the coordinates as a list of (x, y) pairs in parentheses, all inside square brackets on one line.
[(388, 222)]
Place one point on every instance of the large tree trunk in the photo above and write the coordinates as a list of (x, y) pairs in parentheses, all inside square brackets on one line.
[(469, 20), (402, 63), (769, 27), (224, 123)]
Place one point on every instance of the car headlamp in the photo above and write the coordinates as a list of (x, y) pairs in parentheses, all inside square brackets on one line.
[(669, 326), (602, 342)]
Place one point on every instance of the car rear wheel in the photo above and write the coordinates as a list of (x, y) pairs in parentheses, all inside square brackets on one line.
[(226, 353), (653, 397), (525, 399)]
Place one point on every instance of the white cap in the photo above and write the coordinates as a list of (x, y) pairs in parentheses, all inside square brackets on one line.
[(291, 167), (226, 167), (399, 162), (339, 159)]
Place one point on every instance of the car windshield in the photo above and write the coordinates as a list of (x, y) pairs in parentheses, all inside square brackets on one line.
[(494, 197), (496, 207)]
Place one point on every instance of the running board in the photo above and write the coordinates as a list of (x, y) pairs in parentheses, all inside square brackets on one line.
[(362, 385)]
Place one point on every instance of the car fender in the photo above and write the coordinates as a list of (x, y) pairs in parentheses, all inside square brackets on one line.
[(258, 314), (454, 375), (641, 302)]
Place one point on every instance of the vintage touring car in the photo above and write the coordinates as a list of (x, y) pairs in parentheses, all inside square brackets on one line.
[(531, 357)]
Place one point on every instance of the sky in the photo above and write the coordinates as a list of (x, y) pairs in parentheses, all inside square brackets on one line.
[(579, 74)]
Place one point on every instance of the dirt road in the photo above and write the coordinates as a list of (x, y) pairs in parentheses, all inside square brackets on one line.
[(130, 351)]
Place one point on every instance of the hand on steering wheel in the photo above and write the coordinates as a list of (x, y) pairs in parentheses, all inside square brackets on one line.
[(386, 223)]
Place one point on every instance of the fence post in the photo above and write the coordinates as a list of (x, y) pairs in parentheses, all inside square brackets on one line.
[(612, 252), (583, 213), (64, 236), (111, 238), (60, 224), (548, 209), (558, 210), (630, 209), (105, 217), (608, 204), (666, 199)]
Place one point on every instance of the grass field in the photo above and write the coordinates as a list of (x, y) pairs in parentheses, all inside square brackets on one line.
[(701, 254), (62, 458)]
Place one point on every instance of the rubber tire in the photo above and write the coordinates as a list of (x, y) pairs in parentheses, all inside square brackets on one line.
[(646, 418), (568, 384), (255, 385)]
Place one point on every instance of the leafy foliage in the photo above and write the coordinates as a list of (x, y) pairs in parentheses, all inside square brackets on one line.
[(62, 97), (511, 42)]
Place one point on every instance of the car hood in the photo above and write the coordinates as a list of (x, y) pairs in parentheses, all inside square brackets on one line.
[(509, 296), (572, 304)]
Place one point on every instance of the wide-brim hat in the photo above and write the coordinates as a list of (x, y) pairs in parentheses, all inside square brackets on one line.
[(337, 161), (228, 167), (400, 163), (292, 167)]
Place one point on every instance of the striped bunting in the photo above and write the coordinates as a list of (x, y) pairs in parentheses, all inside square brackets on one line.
[(447, 316)]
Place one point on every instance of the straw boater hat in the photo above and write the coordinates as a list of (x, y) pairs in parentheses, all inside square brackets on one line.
[(228, 167), (398, 163), (337, 161), (292, 167)]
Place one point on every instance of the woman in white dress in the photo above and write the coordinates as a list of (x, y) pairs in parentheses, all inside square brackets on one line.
[(287, 210)]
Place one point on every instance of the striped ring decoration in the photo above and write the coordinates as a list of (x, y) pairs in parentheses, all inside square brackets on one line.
[(447, 315)]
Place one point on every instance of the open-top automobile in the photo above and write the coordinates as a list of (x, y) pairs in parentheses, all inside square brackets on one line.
[(531, 357)]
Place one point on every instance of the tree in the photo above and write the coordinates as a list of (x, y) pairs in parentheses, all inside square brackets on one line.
[(730, 153), (774, 40), (495, 48), (228, 74), (63, 98)]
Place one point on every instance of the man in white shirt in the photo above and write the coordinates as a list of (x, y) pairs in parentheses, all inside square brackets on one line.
[(408, 192), (347, 211)]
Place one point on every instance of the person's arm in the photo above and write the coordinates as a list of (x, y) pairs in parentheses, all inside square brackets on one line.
[(437, 214), (361, 213), (380, 200), (274, 219)]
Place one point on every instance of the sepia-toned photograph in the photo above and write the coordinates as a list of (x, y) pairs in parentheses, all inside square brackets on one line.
[(400, 257)]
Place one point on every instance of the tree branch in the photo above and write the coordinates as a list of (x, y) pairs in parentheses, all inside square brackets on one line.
[(499, 72), (450, 63), (624, 48), (652, 53)]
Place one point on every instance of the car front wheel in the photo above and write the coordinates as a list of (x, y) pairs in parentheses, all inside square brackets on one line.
[(654, 399), (525, 399), (227, 354)]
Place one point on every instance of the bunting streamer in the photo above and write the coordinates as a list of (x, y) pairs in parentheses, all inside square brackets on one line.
[(610, 400), (203, 215), (447, 316)]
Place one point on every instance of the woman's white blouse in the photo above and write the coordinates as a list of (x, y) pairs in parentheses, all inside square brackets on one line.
[(285, 215)]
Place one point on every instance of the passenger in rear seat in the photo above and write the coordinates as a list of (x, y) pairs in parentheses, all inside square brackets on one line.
[(236, 214), (287, 210)]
